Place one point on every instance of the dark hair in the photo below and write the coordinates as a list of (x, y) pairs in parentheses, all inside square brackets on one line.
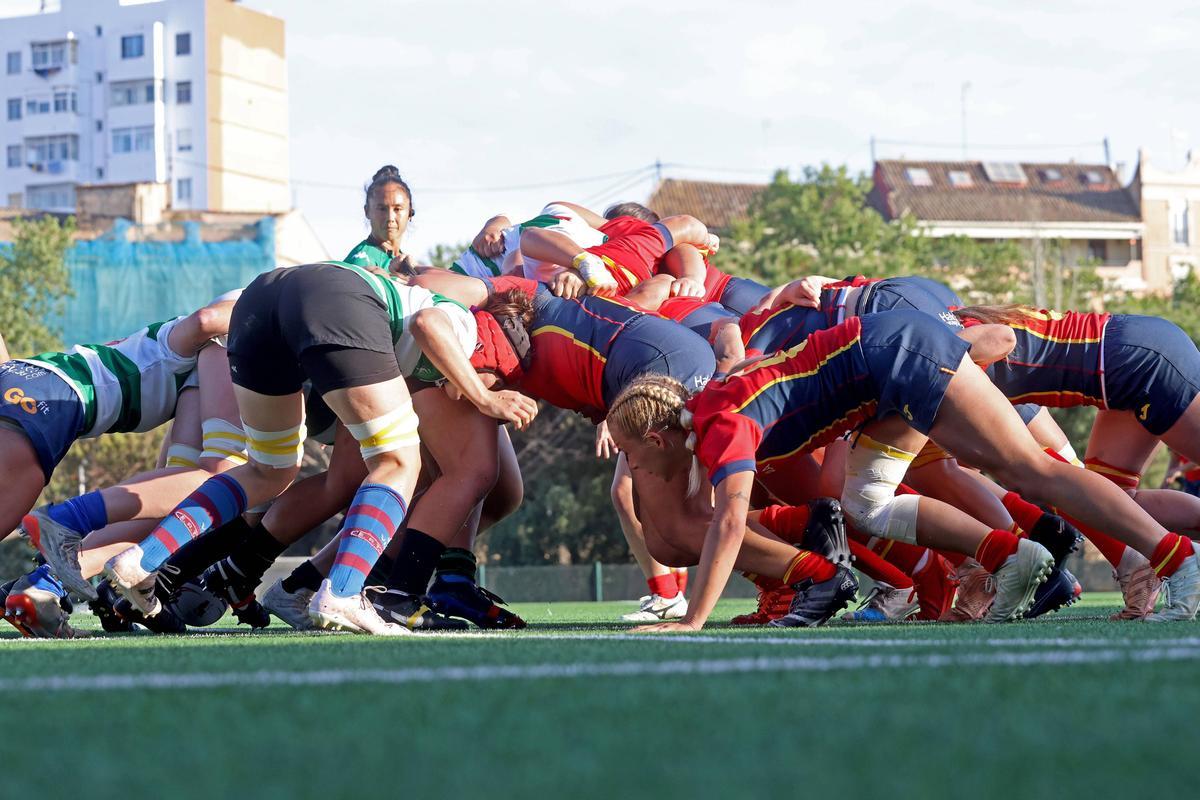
[(509, 303), (636, 210), (382, 177)]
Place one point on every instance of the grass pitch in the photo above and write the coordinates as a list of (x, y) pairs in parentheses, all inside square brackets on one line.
[(577, 707)]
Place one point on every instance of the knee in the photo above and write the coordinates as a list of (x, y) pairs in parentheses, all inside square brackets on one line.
[(278, 478)]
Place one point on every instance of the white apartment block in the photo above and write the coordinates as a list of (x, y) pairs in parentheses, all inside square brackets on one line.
[(192, 93)]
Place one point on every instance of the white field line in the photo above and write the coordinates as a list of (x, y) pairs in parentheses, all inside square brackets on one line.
[(623, 669)]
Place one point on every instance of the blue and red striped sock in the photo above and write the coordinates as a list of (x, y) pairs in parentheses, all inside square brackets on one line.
[(374, 516), (218, 500)]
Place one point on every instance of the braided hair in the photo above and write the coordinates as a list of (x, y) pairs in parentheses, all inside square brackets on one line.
[(654, 403)]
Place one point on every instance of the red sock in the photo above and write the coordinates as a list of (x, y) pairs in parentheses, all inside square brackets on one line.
[(956, 559), (995, 548), (870, 564), (1024, 513), (681, 579), (663, 585), (1169, 554), (786, 522), (808, 565), (905, 556)]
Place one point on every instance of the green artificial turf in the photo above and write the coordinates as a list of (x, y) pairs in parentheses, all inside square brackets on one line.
[(1066, 705)]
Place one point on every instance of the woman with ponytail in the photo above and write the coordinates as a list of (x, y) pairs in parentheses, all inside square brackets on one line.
[(900, 377)]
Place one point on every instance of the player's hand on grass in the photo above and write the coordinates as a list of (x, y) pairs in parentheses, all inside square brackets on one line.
[(510, 406), (686, 287), (605, 446), (669, 627), (568, 285)]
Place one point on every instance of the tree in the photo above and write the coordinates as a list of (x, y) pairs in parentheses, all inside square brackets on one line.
[(34, 284)]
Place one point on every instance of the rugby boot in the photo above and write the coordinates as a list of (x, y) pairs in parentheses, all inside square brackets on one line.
[(165, 621), (656, 608), (885, 604), (104, 609), (1139, 585), (1057, 592), (1183, 592), (1057, 535), (774, 601), (34, 607), (456, 595), (817, 603), (825, 533), (227, 582), (59, 545), (410, 610), (976, 593), (124, 571), (354, 613), (1017, 581), (289, 607)]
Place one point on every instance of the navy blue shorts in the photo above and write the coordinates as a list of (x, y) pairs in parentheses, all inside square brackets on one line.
[(45, 407), (741, 295), (702, 319), (1151, 368), (911, 293), (1027, 411), (911, 358), (650, 345)]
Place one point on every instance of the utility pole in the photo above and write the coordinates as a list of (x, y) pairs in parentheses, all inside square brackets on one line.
[(963, 96)]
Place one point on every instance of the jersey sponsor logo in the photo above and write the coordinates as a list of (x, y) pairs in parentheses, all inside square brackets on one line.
[(186, 519), (16, 397)]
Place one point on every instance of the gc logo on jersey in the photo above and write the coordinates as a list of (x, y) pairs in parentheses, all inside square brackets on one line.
[(16, 397)]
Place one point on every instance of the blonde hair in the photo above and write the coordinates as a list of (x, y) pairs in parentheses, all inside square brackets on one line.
[(1011, 314), (654, 403)]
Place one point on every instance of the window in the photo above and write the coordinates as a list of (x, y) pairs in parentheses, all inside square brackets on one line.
[(183, 92), (918, 176), (183, 44), (1097, 250), (1004, 172), (14, 62), (59, 195), (183, 190), (1093, 177), (43, 153), (99, 30), (37, 105), (183, 140), (65, 101), (133, 46), (99, 173), (99, 77), (960, 178), (133, 140), (99, 125), (1050, 175), (130, 93), (14, 108), (49, 55), (14, 155), (1179, 223)]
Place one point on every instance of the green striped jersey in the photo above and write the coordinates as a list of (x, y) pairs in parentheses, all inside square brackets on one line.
[(553, 216), (402, 302), (131, 384), (366, 254)]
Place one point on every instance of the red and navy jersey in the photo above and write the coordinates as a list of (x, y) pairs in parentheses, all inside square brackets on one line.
[(797, 400), (834, 295), (1057, 360), (696, 314), (776, 329), (570, 344)]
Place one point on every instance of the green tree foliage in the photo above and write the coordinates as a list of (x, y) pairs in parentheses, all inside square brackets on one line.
[(34, 284)]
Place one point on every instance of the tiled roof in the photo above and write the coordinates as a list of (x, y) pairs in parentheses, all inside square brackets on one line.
[(717, 205), (1043, 198)]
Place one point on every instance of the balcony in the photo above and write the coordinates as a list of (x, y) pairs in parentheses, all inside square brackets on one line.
[(51, 171)]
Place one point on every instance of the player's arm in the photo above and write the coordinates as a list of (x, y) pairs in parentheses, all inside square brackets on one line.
[(721, 545), (989, 343), (460, 288), (572, 260), (3, 351), (686, 229), (685, 264), (489, 242), (804, 292), (728, 347), (200, 327), (431, 330), (586, 214)]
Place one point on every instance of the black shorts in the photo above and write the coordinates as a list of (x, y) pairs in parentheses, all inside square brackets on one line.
[(315, 321)]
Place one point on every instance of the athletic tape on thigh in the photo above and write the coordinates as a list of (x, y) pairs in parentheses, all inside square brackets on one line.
[(278, 449), (873, 473), (929, 454), (183, 455), (223, 440), (1123, 478), (392, 431)]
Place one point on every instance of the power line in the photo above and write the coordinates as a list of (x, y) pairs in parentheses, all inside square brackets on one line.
[(978, 145)]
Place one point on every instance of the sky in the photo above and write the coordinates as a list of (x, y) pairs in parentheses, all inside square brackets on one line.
[(501, 106)]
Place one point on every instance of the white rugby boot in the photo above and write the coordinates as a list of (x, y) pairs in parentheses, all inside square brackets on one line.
[(655, 608), (1183, 592), (60, 547), (885, 604), (354, 613), (125, 573), (1018, 579), (290, 607)]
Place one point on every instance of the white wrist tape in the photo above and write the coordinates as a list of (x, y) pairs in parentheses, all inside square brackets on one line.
[(873, 473), (223, 440), (278, 449), (393, 431), (183, 455)]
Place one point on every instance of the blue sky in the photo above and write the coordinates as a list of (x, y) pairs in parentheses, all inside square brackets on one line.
[(468, 98)]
